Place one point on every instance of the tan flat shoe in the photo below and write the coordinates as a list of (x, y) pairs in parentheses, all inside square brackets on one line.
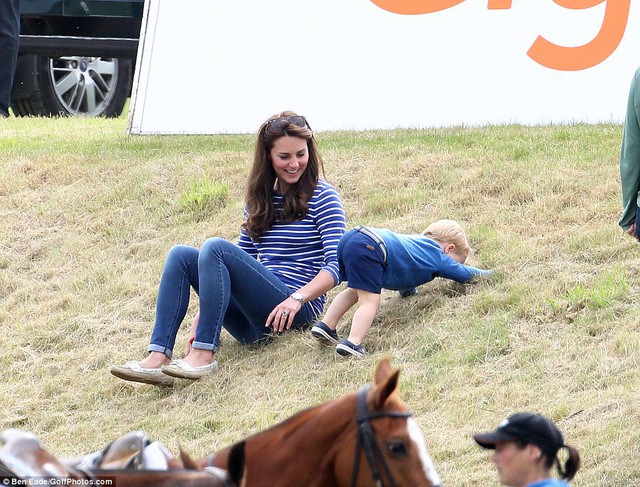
[(132, 371), (182, 370)]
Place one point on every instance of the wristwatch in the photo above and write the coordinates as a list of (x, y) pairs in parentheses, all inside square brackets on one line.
[(298, 297)]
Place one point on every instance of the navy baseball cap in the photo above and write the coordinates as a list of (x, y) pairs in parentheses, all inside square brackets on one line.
[(529, 427)]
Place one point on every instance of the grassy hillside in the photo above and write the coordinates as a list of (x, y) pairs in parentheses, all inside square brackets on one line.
[(88, 215)]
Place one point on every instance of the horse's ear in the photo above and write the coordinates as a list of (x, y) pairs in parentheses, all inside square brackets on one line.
[(383, 370), (386, 383), (235, 463), (187, 462)]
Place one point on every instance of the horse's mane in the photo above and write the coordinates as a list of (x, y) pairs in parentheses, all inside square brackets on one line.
[(302, 417), (288, 426)]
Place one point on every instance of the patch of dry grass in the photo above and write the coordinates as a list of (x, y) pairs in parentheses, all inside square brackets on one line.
[(89, 214)]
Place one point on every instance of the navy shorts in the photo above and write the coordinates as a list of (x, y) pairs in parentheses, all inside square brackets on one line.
[(362, 261)]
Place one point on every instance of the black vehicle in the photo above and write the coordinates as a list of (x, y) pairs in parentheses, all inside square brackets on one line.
[(76, 57)]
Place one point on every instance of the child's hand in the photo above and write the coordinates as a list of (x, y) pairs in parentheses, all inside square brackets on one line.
[(481, 274), (485, 273)]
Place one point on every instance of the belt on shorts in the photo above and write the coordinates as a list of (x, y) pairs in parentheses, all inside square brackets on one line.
[(376, 238)]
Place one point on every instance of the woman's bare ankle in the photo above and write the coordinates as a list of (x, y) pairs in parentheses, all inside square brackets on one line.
[(198, 357), (155, 360)]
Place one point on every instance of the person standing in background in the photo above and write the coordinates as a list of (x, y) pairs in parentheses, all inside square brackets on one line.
[(9, 41), (630, 161)]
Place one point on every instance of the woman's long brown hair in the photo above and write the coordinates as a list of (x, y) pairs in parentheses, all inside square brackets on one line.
[(262, 178)]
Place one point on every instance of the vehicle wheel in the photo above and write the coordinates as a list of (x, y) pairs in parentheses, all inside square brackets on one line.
[(76, 85)]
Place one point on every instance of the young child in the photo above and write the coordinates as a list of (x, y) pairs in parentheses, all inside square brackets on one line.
[(372, 259)]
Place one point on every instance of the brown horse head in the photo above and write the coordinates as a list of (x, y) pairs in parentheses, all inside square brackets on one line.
[(320, 447), (395, 452)]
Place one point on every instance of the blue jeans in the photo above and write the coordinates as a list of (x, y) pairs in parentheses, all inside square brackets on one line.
[(235, 291)]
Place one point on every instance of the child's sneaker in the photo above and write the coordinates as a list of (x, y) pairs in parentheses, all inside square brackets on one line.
[(346, 348), (405, 293), (323, 332)]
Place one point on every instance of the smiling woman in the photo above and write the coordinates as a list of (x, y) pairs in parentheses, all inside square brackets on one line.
[(290, 157), (275, 277)]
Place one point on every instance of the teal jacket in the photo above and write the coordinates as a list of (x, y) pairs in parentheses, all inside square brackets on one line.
[(630, 156), (550, 483)]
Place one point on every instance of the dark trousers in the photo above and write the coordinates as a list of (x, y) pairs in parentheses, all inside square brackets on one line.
[(9, 39)]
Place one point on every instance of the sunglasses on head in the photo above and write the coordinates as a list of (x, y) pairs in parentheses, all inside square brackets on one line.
[(281, 123)]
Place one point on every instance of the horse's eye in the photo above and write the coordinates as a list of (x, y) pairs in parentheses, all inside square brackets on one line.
[(398, 448)]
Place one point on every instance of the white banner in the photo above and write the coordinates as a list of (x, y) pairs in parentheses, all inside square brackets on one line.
[(224, 66)]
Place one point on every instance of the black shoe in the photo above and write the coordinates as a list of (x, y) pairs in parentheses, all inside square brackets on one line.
[(405, 293), (323, 332), (346, 348)]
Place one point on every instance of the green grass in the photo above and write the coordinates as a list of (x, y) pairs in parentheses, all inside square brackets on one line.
[(203, 196), (89, 214)]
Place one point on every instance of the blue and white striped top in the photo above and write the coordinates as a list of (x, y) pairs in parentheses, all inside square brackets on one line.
[(296, 251)]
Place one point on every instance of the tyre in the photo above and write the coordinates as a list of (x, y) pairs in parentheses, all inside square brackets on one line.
[(75, 85)]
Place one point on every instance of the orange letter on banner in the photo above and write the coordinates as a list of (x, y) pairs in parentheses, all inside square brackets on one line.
[(499, 5), (563, 58), (414, 7)]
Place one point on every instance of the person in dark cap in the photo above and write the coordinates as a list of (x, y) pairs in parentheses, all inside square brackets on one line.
[(526, 448)]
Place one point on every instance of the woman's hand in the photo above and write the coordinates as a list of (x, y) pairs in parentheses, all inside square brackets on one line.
[(281, 318), (632, 230), (314, 288), (192, 332)]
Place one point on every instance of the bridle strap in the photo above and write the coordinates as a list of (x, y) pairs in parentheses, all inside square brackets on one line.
[(366, 440), (219, 474)]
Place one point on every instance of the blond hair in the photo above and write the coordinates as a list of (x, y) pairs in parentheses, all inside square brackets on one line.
[(448, 231)]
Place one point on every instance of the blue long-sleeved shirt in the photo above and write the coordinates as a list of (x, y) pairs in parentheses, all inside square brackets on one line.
[(296, 251), (413, 260), (550, 483)]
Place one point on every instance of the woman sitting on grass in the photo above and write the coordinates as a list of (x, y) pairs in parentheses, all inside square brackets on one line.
[(275, 277), (372, 259)]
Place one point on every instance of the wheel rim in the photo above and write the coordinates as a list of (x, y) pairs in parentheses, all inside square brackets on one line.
[(84, 85)]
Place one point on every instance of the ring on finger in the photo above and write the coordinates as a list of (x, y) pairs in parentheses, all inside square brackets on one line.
[(284, 312)]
